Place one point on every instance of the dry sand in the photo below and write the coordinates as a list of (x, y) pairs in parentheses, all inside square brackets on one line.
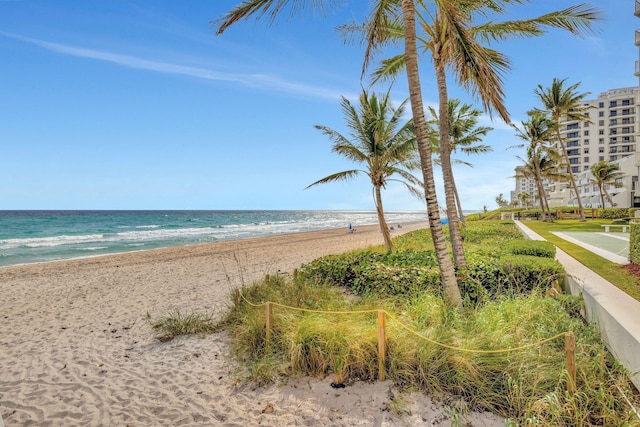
[(76, 350)]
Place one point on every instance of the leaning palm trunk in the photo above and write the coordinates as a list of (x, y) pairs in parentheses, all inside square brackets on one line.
[(572, 180), (447, 272), (601, 196), (458, 204), (606, 193), (447, 174), (543, 198), (384, 228)]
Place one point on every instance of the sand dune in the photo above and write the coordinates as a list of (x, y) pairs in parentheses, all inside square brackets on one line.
[(76, 350)]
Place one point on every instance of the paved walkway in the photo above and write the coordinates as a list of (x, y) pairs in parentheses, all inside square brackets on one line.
[(613, 246)]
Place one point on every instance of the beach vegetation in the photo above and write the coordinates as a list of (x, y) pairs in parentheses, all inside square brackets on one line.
[(381, 144), (322, 328), (178, 323)]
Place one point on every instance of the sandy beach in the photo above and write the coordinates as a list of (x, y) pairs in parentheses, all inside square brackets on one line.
[(76, 350)]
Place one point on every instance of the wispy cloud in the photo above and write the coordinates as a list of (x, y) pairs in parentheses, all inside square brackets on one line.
[(254, 80)]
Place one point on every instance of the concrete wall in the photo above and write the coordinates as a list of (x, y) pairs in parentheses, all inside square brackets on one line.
[(616, 313)]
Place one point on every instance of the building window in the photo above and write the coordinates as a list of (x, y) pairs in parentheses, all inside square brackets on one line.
[(600, 113), (585, 168), (601, 141), (574, 161), (626, 102), (613, 122), (600, 149), (613, 140), (585, 160), (601, 132), (573, 126), (613, 150), (619, 181), (613, 104), (626, 111), (600, 104), (573, 152), (600, 158), (600, 122), (613, 113), (586, 151), (573, 135), (626, 121), (585, 142), (586, 133), (574, 143)]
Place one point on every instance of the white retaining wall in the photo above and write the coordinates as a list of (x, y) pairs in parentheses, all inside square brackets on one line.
[(616, 313)]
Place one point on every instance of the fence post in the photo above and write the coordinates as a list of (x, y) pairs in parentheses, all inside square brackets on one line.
[(269, 313), (381, 345), (570, 350)]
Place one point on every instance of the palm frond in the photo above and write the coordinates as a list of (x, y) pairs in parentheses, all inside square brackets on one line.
[(339, 176)]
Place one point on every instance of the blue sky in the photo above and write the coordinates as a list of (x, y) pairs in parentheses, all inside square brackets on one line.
[(139, 105)]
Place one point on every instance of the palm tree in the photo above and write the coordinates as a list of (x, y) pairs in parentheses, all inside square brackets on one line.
[(474, 66), (453, 40), (605, 172), (537, 133), (525, 199), (564, 103), (541, 163), (464, 134), (381, 143)]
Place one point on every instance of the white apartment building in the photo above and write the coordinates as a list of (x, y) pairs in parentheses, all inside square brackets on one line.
[(612, 133)]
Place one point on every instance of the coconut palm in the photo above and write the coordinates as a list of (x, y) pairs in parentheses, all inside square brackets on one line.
[(564, 103), (464, 135), (475, 68), (379, 142), (525, 199), (538, 132), (606, 173), (452, 38), (541, 163)]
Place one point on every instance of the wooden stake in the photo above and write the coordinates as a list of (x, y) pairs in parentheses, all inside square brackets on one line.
[(570, 350), (381, 344), (269, 315)]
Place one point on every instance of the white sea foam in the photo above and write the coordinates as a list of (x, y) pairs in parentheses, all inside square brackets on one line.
[(41, 242)]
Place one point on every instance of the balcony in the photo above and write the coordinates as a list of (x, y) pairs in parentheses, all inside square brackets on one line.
[(637, 73), (637, 9), (637, 37)]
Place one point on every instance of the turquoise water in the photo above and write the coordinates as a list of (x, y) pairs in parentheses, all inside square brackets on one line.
[(39, 236)]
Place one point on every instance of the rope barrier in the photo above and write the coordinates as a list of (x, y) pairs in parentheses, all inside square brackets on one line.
[(407, 328)]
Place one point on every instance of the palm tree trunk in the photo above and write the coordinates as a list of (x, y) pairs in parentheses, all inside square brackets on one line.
[(447, 272), (386, 234), (572, 180), (600, 187), (606, 193), (458, 204), (541, 193), (445, 163)]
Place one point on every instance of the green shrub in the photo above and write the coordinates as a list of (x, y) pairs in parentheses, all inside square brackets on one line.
[(620, 221), (614, 213), (539, 248), (525, 273)]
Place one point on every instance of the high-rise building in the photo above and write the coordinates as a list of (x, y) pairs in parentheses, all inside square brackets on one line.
[(611, 133)]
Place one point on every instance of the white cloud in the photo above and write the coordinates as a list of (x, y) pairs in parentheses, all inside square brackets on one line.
[(255, 80)]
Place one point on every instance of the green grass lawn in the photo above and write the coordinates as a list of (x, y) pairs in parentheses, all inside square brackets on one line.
[(611, 271)]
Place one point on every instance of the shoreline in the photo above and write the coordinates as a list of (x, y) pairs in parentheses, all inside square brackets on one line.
[(76, 349), (422, 224)]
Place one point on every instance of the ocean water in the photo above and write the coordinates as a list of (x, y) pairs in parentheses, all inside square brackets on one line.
[(40, 236)]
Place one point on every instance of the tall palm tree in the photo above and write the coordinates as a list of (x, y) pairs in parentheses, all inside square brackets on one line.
[(464, 135), (475, 69), (606, 173), (453, 39), (538, 132), (381, 144), (564, 103), (540, 164)]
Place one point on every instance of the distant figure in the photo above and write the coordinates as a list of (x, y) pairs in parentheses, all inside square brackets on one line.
[(351, 229), (399, 226), (391, 228)]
